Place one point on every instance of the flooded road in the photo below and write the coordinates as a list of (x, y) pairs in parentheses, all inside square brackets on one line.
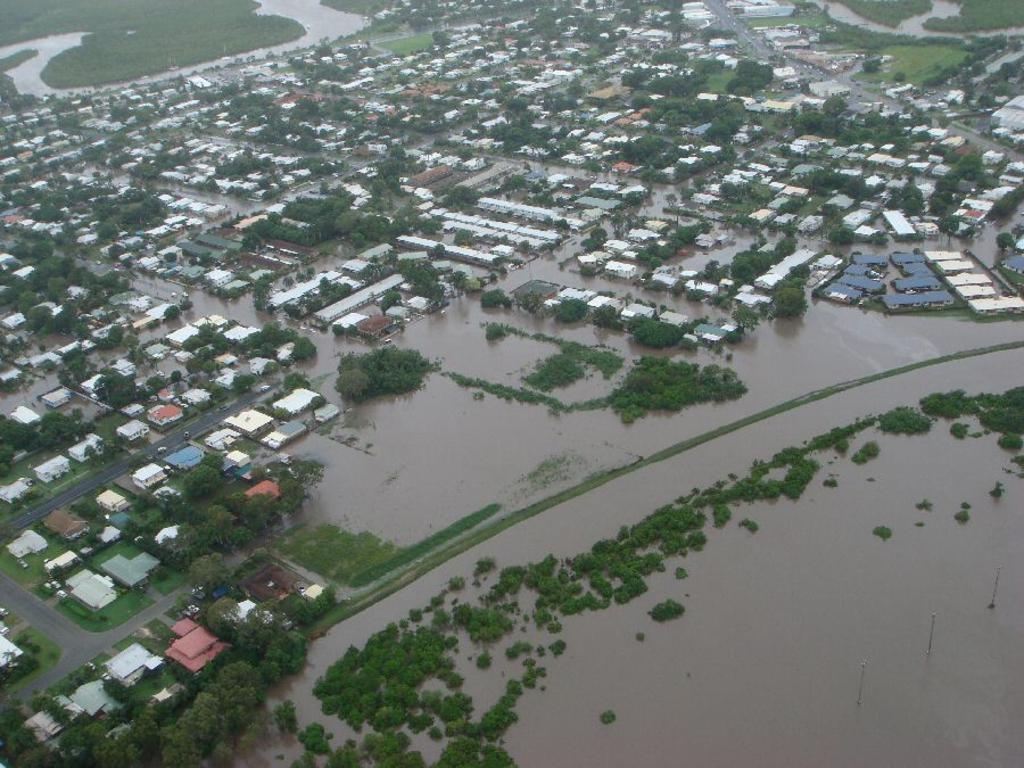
[(318, 21), (762, 669)]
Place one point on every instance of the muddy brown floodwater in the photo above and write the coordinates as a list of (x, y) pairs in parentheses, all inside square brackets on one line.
[(763, 668)]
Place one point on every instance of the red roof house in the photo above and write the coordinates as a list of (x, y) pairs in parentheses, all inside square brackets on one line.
[(265, 488), (195, 647), (162, 415)]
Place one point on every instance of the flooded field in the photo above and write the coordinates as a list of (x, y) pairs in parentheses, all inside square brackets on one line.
[(777, 623)]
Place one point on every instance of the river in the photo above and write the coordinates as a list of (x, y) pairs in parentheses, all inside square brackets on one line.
[(319, 22), (914, 26), (763, 668)]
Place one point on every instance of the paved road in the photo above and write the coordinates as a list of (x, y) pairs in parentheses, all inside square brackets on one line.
[(78, 646), (111, 472)]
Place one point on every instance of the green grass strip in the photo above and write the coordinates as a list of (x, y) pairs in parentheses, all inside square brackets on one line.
[(420, 548)]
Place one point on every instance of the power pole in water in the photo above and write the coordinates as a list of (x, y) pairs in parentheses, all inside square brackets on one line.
[(931, 635), (995, 588), (860, 687)]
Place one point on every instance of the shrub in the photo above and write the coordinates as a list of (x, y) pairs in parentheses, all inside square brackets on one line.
[(1011, 442), (666, 611), (483, 661), (659, 384), (571, 311), (882, 532), (607, 717), (385, 371), (495, 298), (495, 331), (866, 453), (904, 421), (959, 430), (749, 524)]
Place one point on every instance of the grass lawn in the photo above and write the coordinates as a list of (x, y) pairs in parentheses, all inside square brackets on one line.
[(141, 37), (48, 654), (115, 614), (35, 573), (165, 580), (404, 46), (1013, 277), (334, 553), (718, 81), (812, 18), (916, 62)]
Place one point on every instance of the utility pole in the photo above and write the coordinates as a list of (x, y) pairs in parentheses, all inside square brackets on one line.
[(995, 588), (860, 687), (931, 635)]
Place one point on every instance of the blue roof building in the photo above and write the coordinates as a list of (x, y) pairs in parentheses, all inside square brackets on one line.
[(914, 284), (923, 300), (185, 458), (902, 258), (870, 259), (865, 284), (1015, 264)]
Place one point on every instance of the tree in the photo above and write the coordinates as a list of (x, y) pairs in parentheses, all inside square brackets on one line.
[(284, 716), (201, 482), (746, 318), (790, 300), (1005, 241), (208, 571), (352, 383)]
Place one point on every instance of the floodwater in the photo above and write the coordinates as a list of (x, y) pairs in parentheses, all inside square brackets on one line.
[(318, 21), (941, 9), (763, 668)]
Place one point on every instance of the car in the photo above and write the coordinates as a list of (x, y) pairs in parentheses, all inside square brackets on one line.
[(162, 449), (264, 388), (61, 594)]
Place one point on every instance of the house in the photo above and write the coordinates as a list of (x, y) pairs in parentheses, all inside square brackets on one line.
[(60, 562), (50, 470), (166, 535), (92, 699), (149, 476), (132, 430), (164, 415), (284, 434), (57, 398), (250, 423), (112, 502), (15, 491), (128, 666), (272, 582), (65, 525), (25, 416), (92, 445), (221, 439), (195, 646), (264, 488), (92, 590), (28, 543), (9, 652), (325, 413), (130, 572), (186, 457), (621, 270), (297, 401), (43, 726)]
